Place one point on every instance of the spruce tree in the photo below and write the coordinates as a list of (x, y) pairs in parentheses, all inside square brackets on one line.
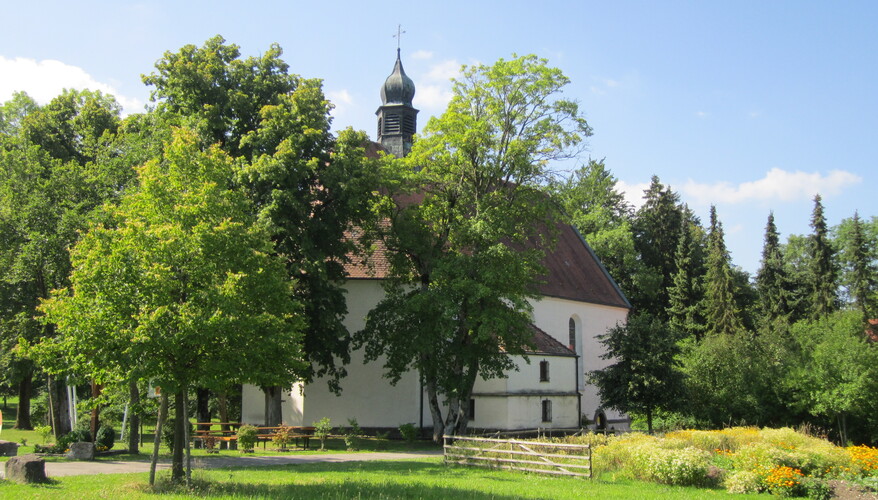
[(771, 280), (822, 272), (657, 228), (862, 270), (719, 304), (684, 310)]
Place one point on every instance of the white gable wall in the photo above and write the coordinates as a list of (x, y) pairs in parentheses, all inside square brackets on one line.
[(369, 397)]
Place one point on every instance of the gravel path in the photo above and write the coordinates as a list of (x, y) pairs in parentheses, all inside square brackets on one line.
[(56, 469)]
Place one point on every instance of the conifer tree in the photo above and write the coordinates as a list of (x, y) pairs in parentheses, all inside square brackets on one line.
[(822, 272), (719, 304), (657, 228), (684, 311), (862, 270), (771, 280)]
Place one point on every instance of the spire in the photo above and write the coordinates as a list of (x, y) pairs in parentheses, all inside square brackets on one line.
[(398, 88), (397, 118)]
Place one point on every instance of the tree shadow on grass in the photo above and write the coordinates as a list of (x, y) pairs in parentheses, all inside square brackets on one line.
[(342, 481)]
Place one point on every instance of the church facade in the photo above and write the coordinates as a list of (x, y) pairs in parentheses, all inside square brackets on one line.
[(579, 302)]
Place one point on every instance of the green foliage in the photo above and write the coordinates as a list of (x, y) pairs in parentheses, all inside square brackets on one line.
[(307, 188), (283, 436), (685, 314), (644, 376), (44, 431), (721, 311), (106, 437), (409, 432), (821, 266), (246, 437), (772, 282), (657, 228), (322, 429), (856, 244), (603, 217), (468, 224), (837, 369), (352, 434)]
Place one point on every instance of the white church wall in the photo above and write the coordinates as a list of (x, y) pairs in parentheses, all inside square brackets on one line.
[(552, 315)]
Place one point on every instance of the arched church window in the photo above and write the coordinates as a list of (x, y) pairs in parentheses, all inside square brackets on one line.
[(571, 328)]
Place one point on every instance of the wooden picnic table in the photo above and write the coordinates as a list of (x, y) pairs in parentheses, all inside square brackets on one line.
[(264, 434)]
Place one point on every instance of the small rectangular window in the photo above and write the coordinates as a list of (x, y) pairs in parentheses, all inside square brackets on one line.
[(544, 371), (547, 410), (472, 409)]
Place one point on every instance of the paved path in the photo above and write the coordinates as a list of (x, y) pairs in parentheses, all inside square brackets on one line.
[(55, 469)]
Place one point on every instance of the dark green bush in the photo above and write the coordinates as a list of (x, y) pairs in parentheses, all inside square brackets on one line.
[(106, 437)]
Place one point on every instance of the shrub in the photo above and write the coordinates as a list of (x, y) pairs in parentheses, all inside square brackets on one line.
[(743, 481), (352, 434), (246, 437), (283, 437), (322, 429), (408, 432), (106, 437), (679, 467), (44, 431)]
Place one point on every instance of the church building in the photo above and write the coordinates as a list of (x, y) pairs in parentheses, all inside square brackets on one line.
[(579, 302)]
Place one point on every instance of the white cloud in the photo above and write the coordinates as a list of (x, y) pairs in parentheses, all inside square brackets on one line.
[(443, 71), (701, 114), (422, 54), (43, 80), (633, 192), (432, 98), (776, 185), (433, 88), (340, 97)]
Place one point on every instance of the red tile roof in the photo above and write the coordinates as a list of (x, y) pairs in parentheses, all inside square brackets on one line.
[(573, 271), (546, 344)]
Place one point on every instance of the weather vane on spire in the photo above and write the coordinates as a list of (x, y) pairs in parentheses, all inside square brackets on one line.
[(398, 35)]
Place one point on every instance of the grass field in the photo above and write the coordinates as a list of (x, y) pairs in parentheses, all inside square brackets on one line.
[(426, 478)]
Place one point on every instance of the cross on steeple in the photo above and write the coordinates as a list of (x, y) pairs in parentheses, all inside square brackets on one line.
[(398, 35)]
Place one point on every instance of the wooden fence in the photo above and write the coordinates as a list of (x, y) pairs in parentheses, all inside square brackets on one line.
[(512, 454)]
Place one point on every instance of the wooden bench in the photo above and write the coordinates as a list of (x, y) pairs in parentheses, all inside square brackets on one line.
[(264, 434)]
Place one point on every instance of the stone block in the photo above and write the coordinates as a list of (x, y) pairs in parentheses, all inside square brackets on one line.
[(8, 449), (81, 451), (26, 469)]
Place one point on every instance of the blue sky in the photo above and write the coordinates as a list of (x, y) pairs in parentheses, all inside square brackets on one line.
[(753, 106)]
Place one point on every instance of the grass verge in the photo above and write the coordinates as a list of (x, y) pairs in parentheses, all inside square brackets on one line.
[(425, 478)]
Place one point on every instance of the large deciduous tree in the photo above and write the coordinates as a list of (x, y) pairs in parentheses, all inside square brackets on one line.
[(644, 376), (50, 186), (178, 287), (308, 187), (468, 222)]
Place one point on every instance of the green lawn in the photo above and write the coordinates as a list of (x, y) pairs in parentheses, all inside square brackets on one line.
[(425, 478)]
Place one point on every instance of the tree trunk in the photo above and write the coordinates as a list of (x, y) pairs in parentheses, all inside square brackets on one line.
[(177, 472), (273, 406), (649, 420), (223, 404), (163, 414), (435, 410), (25, 390), (203, 407), (186, 437), (60, 406), (95, 412), (134, 418)]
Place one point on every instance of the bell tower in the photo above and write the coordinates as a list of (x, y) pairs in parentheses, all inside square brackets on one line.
[(397, 118)]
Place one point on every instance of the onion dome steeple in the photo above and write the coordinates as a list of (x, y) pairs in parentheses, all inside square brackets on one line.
[(398, 88), (397, 118)]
